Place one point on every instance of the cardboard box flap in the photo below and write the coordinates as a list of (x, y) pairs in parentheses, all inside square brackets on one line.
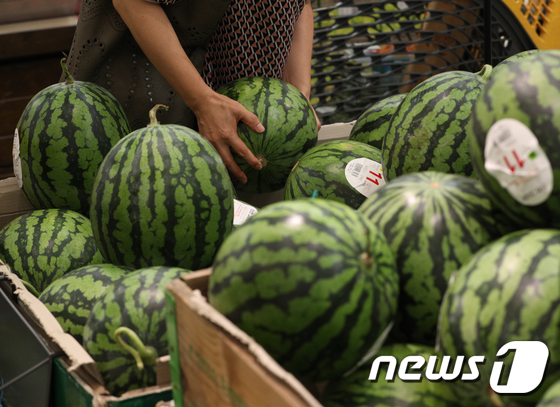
[(336, 131), (198, 303), (12, 197)]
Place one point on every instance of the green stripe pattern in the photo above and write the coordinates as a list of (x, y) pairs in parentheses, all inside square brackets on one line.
[(71, 297), (43, 245), (527, 90), (372, 125), (313, 282), (137, 302), (502, 67), (322, 169), (356, 390), (427, 132), (433, 222), (290, 130), (508, 291), (162, 197), (65, 132)]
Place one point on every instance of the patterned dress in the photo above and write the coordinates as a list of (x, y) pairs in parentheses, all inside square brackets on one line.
[(253, 39)]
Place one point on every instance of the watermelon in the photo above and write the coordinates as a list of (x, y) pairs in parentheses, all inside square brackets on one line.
[(427, 132), (355, 390), (71, 297), (313, 281), (514, 139), (508, 291), (497, 70), (434, 222), (135, 304), (341, 170), (60, 140), (162, 197), (552, 396), (290, 130), (373, 124), (43, 245)]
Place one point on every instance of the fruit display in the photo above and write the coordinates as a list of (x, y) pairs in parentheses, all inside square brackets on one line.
[(455, 253), (290, 130), (339, 170)]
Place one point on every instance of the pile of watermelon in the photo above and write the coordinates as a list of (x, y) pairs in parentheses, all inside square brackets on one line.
[(431, 233)]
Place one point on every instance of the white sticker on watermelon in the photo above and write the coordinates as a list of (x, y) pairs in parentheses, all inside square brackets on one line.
[(364, 175), (513, 156), (242, 212), (17, 159)]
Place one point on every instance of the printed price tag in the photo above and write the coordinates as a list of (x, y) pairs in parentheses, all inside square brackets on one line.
[(364, 175), (513, 156), (242, 212), (17, 160)]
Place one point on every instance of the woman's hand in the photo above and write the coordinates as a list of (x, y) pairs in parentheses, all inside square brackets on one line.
[(218, 117)]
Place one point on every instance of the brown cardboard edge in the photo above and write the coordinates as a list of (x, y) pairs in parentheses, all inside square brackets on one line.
[(196, 284)]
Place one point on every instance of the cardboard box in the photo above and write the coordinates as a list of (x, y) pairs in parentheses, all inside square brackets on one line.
[(13, 202), (216, 364), (75, 379)]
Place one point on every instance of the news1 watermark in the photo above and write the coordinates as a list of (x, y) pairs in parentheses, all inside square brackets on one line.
[(526, 373)]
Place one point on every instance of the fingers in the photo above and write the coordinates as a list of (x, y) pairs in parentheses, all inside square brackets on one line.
[(251, 120)]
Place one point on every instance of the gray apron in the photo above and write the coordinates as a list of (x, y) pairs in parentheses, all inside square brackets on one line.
[(104, 52)]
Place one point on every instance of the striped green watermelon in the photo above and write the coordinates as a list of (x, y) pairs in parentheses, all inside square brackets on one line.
[(43, 245), (341, 170), (290, 130), (313, 281), (162, 196), (514, 138), (427, 132), (71, 297), (61, 138), (136, 304), (508, 291), (434, 222), (552, 396), (372, 125), (356, 390), (502, 66)]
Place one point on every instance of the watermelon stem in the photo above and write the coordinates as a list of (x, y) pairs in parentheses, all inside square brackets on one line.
[(141, 353), (262, 160), (153, 112), (69, 78), (485, 72)]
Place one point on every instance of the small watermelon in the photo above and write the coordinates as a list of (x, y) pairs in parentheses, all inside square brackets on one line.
[(290, 130), (45, 244), (61, 138), (514, 139), (434, 223), (341, 170), (508, 291), (313, 281), (135, 305), (162, 196), (71, 297), (356, 390), (372, 125), (427, 132)]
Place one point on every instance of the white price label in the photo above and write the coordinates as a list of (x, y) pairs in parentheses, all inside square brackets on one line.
[(364, 175), (242, 212), (513, 156), (17, 159)]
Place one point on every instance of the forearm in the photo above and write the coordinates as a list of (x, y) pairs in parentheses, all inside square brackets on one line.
[(297, 70), (153, 32)]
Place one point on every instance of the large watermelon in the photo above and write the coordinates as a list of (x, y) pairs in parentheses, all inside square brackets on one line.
[(341, 170), (356, 390), (508, 291), (313, 281), (61, 138), (137, 302), (501, 67), (514, 138), (290, 130), (427, 132), (43, 245), (372, 125), (162, 196), (433, 222), (71, 297)]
